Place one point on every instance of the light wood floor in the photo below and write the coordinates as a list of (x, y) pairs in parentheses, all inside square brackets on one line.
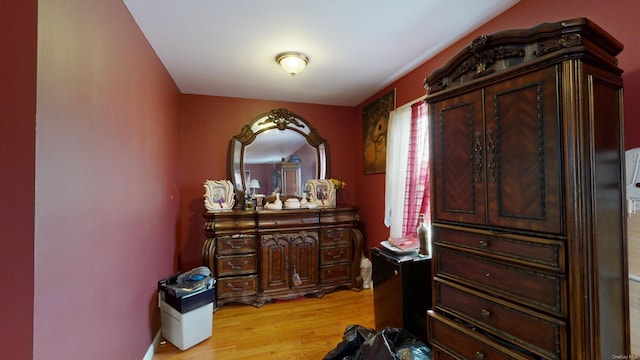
[(300, 329)]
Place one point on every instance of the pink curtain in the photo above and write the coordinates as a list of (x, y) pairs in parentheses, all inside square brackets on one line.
[(417, 189)]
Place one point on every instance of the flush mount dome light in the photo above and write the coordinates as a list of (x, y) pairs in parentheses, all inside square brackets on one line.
[(292, 61)]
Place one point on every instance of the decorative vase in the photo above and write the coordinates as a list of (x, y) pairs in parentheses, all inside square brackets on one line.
[(424, 237)]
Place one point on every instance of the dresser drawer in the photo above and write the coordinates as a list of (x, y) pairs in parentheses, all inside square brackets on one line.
[(237, 264), (232, 223), (236, 244), (446, 335), (335, 272), (336, 254), (338, 218), (277, 221), (538, 289), (536, 252), (237, 286), (535, 332), (335, 236)]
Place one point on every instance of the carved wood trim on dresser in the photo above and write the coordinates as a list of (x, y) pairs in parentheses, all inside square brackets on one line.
[(528, 212), (259, 256)]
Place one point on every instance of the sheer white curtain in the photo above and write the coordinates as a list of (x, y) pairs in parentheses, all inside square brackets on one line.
[(398, 134)]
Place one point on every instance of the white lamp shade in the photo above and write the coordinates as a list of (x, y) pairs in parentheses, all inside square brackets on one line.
[(254, 184)]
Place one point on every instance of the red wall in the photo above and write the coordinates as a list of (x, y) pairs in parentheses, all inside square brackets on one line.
[(107, 190), (619, 18), (100, 178), (17, 159), (207, 125)]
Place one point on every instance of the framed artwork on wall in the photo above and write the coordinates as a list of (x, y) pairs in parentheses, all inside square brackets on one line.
[(375, 119)]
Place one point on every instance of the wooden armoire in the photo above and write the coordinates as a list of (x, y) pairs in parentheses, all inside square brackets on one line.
[(528, 203)]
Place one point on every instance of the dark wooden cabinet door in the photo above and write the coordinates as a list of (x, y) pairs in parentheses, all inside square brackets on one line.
[(522, 143), (304, 258), (275, 263), (286, 254), (458, 159)]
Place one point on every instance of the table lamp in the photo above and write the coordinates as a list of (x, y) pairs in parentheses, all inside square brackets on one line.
[(253, 185)]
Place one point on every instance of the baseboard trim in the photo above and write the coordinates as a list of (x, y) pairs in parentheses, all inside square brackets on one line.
[(154, 345)]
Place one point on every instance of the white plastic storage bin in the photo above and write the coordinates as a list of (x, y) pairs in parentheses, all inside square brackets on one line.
[(188, 329)]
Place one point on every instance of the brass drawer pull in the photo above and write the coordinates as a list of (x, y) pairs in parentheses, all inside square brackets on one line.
[(479, 355), (236, 267), (487, 274), (477, 163), (491, 156), (246, 283), (233, 245), (336, 256), (484, 244), (485, 313)]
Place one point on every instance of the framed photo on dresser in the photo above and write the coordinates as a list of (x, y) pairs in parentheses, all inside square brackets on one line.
[(218, 195), (321, 192)]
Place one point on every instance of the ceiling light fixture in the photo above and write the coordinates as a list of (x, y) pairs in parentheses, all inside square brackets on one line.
[(292, 61)]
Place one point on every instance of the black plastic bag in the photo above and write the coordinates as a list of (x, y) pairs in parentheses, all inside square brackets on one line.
[(361, 343), (352, 339)]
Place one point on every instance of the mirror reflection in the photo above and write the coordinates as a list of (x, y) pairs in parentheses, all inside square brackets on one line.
[(277, 152)]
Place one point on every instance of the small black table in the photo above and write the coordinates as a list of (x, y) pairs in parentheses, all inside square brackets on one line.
[(401, 290)]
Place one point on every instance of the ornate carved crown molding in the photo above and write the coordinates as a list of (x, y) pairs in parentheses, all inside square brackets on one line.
[(490, 55), (282, 118)]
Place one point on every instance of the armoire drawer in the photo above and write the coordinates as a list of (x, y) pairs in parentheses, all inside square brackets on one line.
[(539, 252), (237, 286), (541, 290), (439, 354), (459, 342), (538, 333), (236, 244), (236, 264)]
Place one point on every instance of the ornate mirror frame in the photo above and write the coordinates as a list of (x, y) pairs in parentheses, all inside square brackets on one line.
[(282, 120)]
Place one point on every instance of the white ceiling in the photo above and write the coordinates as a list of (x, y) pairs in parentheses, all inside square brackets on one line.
[(356, 47)]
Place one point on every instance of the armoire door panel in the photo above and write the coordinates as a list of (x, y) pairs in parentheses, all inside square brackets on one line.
[(458, 159), (523, 149)]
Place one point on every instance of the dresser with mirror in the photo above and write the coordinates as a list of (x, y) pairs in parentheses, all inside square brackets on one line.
[(262, 255)]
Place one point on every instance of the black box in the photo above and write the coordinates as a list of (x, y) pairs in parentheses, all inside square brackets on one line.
[(186, 303)]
